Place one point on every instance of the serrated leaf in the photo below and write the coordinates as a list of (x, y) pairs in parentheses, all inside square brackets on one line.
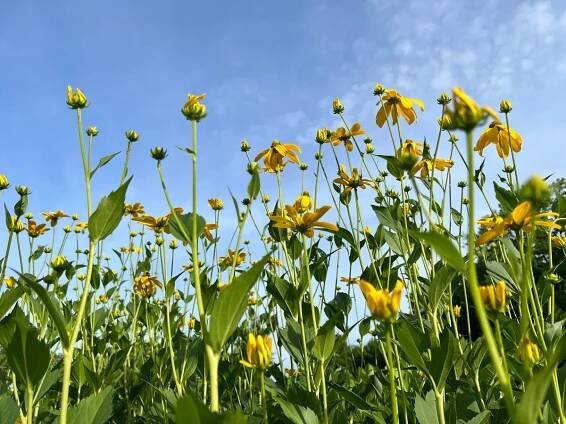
[(231, 305), (95, 409), (108, 214), (443, 247), (103, 161)]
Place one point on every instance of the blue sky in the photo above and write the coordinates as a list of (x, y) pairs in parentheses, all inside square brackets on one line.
[(270, 70)]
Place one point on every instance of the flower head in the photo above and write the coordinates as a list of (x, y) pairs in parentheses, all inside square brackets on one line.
[(354, 181), (494, 296), (53, 217), (273, 158), (76, 99), (146, 285), (343, 135), (193, 109), (303, 223), (528, 352), (426, 165), (395, 105), (258, 352), (34, 230), (135, 210), (503, 139), (382, 304), (466, 113), (232, 259), (408, 154), (4, 183), (216, 204)]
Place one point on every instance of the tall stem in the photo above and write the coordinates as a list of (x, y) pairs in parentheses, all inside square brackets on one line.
[(391, 370), (473, 286)]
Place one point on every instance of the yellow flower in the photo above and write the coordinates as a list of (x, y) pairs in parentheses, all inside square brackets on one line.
[(342, 135), (352, 182), (467, 114), (4, 183), (157, 224), (16, 225), (53, 217), (76, 99), (258, 352), (395, 105), (382, 304), (559, 241), (10, 282), (337, 106), (303, 203), (59, 263), (524, 217), (193, 109), (35, 230), (496, 227), (426, 165), (457, 309), (216, 204), (497, 134), (408, 154), (207, 232), (228, 260), (302, 223), (528, 352), (134, 210), (277, 152), (146, 285), (81, 226), (191, 323), (494, 296)]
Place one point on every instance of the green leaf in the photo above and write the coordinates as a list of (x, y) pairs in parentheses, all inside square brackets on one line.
[(231, 305), (9, 410), (295, 413), (181, 226), (108, 214), (53, 309), (28, 356), (411, 343), (507, 200), (443, 359), (254, 185), (190, 410), (482, 418), (440, 283), (444, 247), (103, 161), (95, 409), (8, 299), (425, 409), (353, 398), (324, 342)]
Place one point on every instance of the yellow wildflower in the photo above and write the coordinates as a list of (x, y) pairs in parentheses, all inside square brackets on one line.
[(352, 182), (467, 114), (302, 223), (258, 352), (395, 105), (504, 140), (303, 203), (342, 135), (216, 204), (494, 296), (382, 304), (76, 99), (146, 285), (10, 282), (426, 165), (34, 230), (53, 217), (193, 109), (559, 241), (135, 210), (528, 352), (232, 259), (277, 152)]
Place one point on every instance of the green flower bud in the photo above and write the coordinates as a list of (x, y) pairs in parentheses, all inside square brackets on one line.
[(158, 153), (245, 146), (4, 183), (337, 106), (132, 136), (92, 131), (505, 106)]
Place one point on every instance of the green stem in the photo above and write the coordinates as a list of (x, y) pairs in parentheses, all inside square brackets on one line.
[(473, 286), (391, 370), (263, 399), (29, 395)]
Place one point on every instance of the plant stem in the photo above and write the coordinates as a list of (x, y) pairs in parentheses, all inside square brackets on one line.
[(263, 399), (473, 286), (391, 369)]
